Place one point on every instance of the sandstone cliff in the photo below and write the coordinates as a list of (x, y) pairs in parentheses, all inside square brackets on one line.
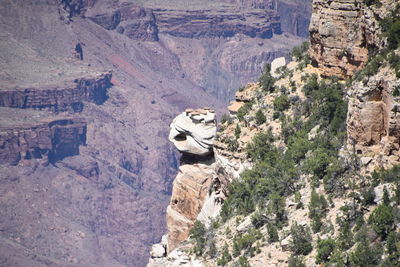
[(341, 33)]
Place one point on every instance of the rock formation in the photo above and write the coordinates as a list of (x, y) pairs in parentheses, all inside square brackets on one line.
[(341, 32), (193, 132), (202, 23), (199, 188), (109, 202), (373, 122)]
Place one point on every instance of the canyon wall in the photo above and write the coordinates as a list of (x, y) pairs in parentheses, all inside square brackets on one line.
[(59, 97), (50, 140)]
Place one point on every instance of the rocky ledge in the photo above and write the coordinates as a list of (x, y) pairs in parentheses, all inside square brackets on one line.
[(49, 138), (68, 97)]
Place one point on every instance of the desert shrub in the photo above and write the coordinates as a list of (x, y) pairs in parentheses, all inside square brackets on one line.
[(233, 144), (345, 237), (197, 233), (366, 252), (301, 239), (276, 207), (259, 219), (368, 196), (391, 175), (317, 164), (396, 91), (317, 210), (296, 261), (300, 52), (324, 250), (266, 80), (382, 220), (225, 257), (260, 117), (243, 262), (372, 2), (394, 61), (272, 233), (244, 110), (281, 103), (390, 26), (238, 131), (261, 148), (245, 242), (392, 249)]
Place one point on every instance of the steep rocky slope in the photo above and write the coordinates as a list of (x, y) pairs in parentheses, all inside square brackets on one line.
[(102, 200), (323, 186)]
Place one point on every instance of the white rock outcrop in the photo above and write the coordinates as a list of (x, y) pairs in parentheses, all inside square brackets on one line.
[(276, 64), (193, 131)]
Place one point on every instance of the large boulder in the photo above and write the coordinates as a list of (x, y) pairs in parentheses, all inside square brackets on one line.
[(193, 131)]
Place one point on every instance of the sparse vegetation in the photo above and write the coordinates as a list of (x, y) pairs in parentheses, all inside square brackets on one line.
[(267, 82), (260, 117), (301, 239)]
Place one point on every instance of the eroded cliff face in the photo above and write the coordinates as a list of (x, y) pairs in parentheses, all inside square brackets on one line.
[(193, 133), (341, 33), (373, 121), (66, 97), (49, 140), (115, 192)]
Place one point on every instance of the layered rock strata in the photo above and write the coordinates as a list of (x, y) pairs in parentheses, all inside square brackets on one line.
[(59, 98), (218, 23), (341, 32), (49, 140), (135, 22)]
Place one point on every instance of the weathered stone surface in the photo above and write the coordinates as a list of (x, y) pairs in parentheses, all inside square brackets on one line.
[(373, 122), (341, 31), (189, 191), (193, 132), (158, 251), (277, 63), (135, 22)]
